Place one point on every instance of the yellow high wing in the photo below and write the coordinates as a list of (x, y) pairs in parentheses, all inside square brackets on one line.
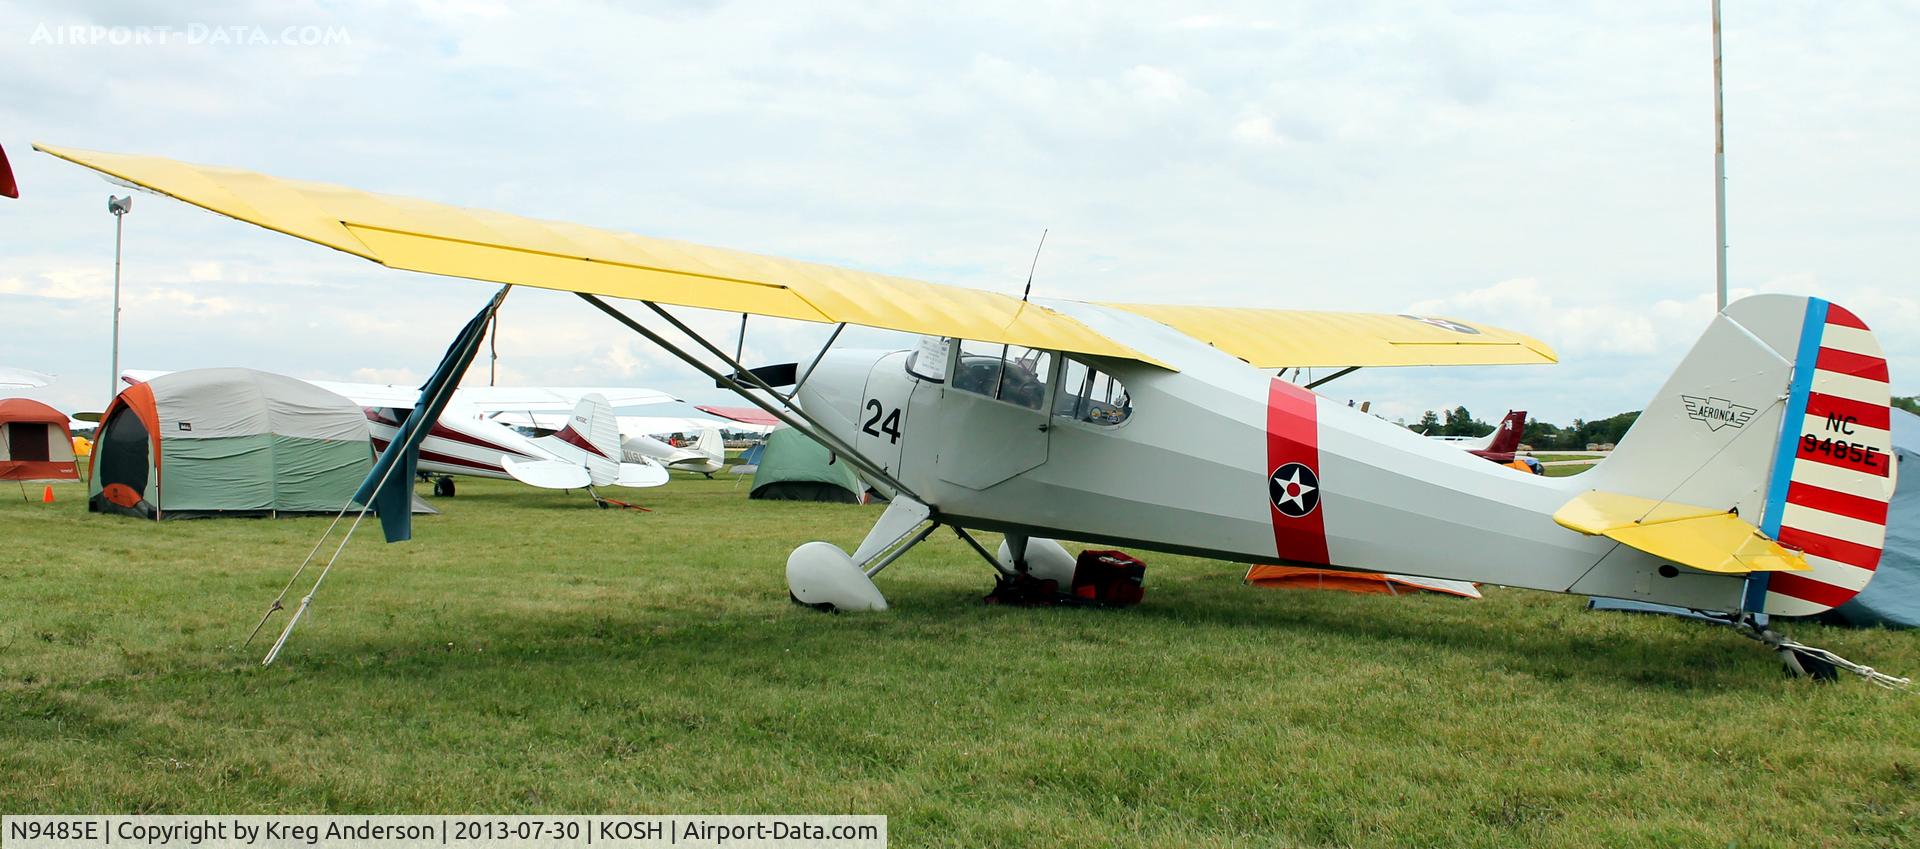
[(1310, 339), (435, 238)]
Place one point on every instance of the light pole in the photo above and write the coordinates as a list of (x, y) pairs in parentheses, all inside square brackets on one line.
[(1719, 175), (119, 207)]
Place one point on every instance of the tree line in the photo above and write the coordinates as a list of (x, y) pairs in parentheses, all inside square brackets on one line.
[(1549, 437), (1541, 435)]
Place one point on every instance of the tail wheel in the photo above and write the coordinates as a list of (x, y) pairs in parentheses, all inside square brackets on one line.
[(443, 487)]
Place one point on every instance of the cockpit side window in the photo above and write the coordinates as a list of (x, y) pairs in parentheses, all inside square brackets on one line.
[(1007, 373), (1090, 395)]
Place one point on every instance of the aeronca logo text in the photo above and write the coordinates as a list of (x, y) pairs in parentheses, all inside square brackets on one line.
[(1717, 412)]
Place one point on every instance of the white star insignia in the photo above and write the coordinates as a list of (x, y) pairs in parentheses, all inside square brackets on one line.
[(1295, 491)]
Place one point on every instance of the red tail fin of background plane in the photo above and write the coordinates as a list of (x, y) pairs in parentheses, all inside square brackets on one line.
[(1506, 440), (7, 186)]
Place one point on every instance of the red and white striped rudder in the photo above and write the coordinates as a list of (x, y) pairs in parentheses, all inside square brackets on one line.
[(1834, 470)]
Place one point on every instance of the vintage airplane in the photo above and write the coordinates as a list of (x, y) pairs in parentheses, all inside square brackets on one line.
[(707, 454), (639, 443), (464, 441), (1499, 445), (1755, 482)]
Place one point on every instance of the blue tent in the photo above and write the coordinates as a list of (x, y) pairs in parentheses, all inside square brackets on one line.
[(1892, 598)]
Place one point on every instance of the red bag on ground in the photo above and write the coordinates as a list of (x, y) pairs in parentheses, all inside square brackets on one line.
[(1109, 577)]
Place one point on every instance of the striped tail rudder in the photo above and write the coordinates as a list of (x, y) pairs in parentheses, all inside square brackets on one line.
[(1834, 469)]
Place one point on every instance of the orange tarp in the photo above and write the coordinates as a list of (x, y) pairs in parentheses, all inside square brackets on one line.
[(1299, 577)]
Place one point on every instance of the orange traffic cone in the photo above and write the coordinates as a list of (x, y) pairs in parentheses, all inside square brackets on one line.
[(47, 497)]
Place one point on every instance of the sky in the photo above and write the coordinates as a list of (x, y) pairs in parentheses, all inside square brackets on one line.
[(1544, 167)]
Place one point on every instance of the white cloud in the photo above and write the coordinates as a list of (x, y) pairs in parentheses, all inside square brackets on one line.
[(395, 376), (1158, 85), (1573, 325), (1257, 130)]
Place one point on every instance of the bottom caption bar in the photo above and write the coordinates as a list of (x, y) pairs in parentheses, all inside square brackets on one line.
[(420, 832)]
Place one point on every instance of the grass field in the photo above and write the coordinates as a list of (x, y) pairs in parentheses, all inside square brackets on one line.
[(1564, 471), (529, 653)]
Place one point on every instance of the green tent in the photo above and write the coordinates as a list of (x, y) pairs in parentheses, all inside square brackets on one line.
[(796, 468), (227, 441)]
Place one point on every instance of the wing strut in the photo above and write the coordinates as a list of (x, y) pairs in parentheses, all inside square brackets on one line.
[(816, 359), (1333, 377), (797, 419)]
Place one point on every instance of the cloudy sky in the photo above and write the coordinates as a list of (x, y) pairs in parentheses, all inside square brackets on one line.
[(1546, 167)]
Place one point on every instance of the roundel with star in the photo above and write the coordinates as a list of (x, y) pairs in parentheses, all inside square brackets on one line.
[(1295, 490)]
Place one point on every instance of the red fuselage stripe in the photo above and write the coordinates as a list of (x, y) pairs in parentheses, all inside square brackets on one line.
[(1293, 436), (445, 459), (572, 437)]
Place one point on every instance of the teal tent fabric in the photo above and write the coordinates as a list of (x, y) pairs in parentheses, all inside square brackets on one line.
[(796, 468)]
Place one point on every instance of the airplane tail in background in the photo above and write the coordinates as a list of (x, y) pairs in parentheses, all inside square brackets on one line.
[(711, 444), (589, 439), (7, 186), (1767, 452), (1506, 438)]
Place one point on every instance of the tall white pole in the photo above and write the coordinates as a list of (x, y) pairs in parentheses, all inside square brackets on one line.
[(119, 222), (1719, 174)]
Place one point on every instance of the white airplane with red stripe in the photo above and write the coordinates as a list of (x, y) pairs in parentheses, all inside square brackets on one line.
[(1756, 480), (582, 453)]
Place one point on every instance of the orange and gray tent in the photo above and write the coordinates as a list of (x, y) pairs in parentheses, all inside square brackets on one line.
[(34, 443), (1302, 578), (227, 441)]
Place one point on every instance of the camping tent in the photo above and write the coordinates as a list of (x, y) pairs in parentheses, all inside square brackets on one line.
[(227, 441), (749, 460), (1302, 578), (796, 468), (34, 443)]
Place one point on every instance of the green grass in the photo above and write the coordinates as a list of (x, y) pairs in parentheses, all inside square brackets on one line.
[(1550, 458), (1564, 471), (529, 653)]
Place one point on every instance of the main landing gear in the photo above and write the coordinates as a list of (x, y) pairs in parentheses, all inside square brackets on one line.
[(442, 484), (823, 576)]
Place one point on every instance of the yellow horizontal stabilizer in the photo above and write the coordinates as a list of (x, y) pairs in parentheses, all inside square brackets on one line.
[(1310, 339), (1701, 537), (437, 238)]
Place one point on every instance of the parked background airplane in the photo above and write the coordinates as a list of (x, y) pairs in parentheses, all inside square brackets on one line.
[(466, 441), (640, 439), (1500, 445)]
